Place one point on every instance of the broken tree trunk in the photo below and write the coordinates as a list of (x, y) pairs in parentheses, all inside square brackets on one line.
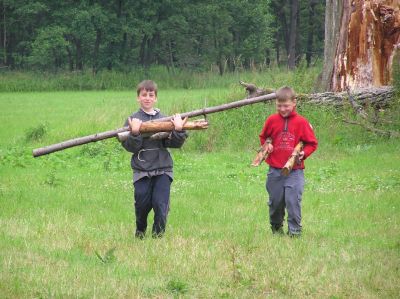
[(361, 39), (114, 133)]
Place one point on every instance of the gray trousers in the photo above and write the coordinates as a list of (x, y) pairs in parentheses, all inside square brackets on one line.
[(285, 192)]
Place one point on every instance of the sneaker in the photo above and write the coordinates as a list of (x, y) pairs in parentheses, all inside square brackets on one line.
[(277, 230), (294, 235), (157, 235), (139, 235)]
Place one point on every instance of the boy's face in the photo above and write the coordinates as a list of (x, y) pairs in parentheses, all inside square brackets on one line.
[(284, 108), (147, 99)]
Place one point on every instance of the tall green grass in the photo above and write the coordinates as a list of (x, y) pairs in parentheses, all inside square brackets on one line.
[(67, 221), (12, 81)]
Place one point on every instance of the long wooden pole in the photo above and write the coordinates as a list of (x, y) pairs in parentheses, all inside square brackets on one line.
[(114, 133)]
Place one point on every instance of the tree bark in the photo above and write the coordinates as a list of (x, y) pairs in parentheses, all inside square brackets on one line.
[(78, 54), (262, 153), (96, 52), (293, 158), (333, 15), (70, 59), (361, 39), (154, 127), (277, 49), (294, 8), (278, 7), (142, 51), (4, 35), (146, 127), (377, 97), (310, 35)]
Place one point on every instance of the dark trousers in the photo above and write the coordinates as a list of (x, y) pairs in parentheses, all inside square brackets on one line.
[(285, 192), (152, 193)]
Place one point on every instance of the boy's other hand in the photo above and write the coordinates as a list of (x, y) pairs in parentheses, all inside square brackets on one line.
[(178, 122), (134, 125)]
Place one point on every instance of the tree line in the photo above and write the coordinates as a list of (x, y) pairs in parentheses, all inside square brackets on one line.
[(122, 35)]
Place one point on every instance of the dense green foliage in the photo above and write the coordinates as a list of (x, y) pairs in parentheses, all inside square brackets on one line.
[(126, 34)]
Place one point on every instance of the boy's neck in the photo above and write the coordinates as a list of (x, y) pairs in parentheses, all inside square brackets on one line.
[(151, 111)]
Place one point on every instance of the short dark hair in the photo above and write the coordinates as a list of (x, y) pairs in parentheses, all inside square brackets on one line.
[(148, 85), (285, 93)]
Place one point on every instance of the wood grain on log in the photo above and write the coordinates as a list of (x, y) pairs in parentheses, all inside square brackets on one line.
[(293, 159), (164, 126), (262, 153)]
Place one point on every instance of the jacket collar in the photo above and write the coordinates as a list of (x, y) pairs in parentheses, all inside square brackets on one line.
[(155, 112)]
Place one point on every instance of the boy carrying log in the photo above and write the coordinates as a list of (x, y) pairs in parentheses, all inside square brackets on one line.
[(283, 131), (151, 162)]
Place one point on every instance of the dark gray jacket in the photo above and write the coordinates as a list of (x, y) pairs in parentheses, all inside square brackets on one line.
[(149, 155)]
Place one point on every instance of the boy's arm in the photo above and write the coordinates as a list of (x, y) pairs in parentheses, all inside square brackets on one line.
[(175, 139), (265, 132), (134, 142), (309, 139), (178, 135)]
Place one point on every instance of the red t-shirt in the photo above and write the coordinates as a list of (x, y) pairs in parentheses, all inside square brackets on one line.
[(286, 133)]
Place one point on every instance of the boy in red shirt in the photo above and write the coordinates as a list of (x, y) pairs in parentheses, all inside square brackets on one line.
[(286, 129)]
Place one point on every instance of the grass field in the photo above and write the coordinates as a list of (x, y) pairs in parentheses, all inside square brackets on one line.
[(66, 220)]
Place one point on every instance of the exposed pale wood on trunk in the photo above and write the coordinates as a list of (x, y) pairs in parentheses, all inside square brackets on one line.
[(364, 44)]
